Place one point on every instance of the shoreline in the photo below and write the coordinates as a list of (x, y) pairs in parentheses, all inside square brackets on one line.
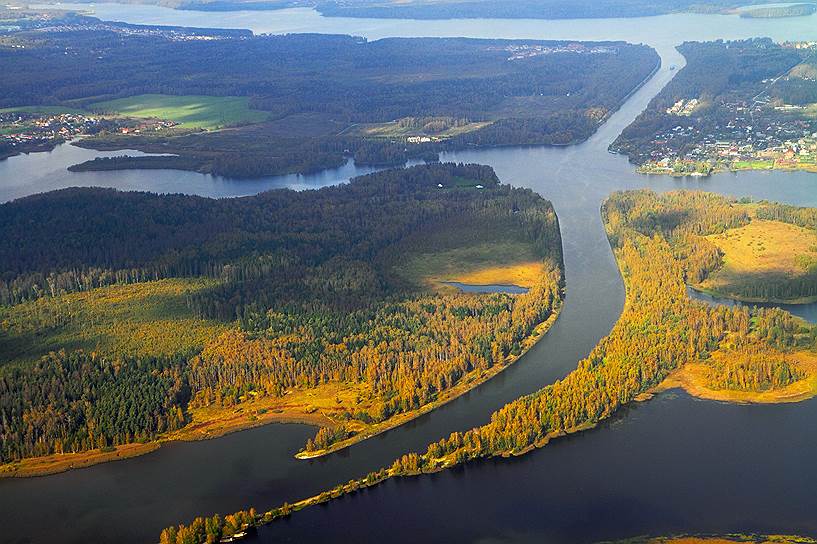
[(236, 420), (449, 395), (35, 467), (690, 379), (809, 168), (749, 300)]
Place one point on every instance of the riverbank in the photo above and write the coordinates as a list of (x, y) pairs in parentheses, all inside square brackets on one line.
[(715, 539), (460, 389), (207, 423), (692, 379)]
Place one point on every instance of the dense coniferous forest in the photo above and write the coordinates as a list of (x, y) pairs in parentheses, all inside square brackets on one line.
[(306, 278), (315, 88), (660, 330)]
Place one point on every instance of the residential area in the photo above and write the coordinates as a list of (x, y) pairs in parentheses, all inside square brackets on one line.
[(768, 123), (31, 131)]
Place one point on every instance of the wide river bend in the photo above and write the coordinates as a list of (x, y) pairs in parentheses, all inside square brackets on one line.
[(672, 464)]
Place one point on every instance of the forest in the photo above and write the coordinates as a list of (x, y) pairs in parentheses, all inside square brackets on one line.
[(303, 285), (658, 241), (312, 88)]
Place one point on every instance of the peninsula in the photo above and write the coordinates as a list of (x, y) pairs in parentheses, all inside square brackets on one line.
[(131, 319)]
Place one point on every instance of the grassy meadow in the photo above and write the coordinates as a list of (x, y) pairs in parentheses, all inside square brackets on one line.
[(205, 112), (471, 253), (393, 129), (762, 249), (145, 318)]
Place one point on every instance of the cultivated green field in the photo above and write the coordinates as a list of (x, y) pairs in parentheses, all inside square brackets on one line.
[(394, 129), (47, 110), (207, 112), (753, 165)]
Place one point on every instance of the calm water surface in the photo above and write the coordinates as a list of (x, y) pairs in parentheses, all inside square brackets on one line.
[(672, 464), (806, 311), (487, 288)]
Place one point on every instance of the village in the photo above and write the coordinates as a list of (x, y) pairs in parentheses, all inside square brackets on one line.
[(31, 131), (757, 136), (519, 52), (741, 135), (747, 127), (731, 155)]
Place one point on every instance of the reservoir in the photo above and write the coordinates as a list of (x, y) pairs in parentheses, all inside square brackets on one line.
[(672, 464)]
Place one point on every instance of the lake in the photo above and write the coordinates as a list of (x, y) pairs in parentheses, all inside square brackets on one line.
[(668, 465), (806, 311), (487, 288)]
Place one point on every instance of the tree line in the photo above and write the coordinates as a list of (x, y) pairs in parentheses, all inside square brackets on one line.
[(312, 87), (307, 279), (660, 330)]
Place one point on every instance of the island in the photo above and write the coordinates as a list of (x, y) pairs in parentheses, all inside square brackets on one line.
[(661, 244), (744, 105), (132, 319), (274, 105)]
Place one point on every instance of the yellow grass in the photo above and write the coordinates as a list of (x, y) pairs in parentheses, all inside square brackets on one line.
[(60, 462), (692, 378), (316, 406), (493, 261), (523, 274), (761, 248)]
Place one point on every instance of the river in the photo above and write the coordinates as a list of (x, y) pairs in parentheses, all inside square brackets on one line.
[(668, 465)]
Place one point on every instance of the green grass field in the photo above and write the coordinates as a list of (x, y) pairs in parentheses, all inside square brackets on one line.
[(47, 110), (753, 165), (393, 129), (149, 318), (207, 112), (474, 253)]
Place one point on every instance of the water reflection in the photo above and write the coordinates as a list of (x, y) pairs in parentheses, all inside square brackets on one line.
[(805, 311), (491, 288)]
